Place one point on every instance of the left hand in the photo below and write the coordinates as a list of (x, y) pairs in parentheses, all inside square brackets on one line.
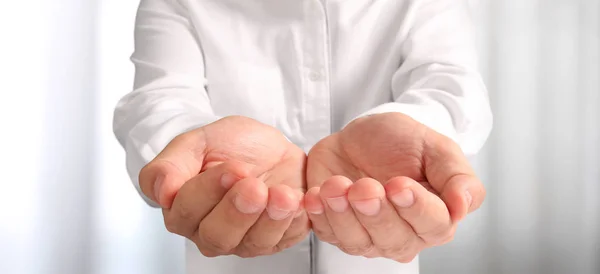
[(388, 186)]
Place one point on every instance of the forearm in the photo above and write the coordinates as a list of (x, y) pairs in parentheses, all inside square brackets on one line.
[(169, 96)]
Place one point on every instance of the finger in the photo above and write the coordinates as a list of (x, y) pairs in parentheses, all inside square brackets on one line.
[(296, 233), (424, 211), (450, 174), (392, 236), (298, 229), (315, 210), (353, 238), (263, 236), (200, 195), (463, 195), (224, 227), (180, 160)]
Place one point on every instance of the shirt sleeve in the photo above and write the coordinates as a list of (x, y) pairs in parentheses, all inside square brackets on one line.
[(169, 95), (438, 83)]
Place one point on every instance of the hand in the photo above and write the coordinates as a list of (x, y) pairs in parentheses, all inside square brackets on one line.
[(403, 187), (231, 187)]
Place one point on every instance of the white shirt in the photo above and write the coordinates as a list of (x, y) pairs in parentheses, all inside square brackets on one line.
[(306, 67)]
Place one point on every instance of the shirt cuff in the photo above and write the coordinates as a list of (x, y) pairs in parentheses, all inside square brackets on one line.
[(434, 116)]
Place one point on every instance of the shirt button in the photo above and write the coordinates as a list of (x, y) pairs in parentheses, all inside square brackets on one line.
[(315, 76)]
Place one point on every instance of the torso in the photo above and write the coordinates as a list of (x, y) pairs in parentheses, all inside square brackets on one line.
[(306, 67)]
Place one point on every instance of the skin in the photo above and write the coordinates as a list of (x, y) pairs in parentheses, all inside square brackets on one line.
[(385, 186), (233, 187), (388, 186)]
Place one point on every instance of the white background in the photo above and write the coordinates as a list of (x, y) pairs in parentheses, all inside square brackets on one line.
[(66, 204)]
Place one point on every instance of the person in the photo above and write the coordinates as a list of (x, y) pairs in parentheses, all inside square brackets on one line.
[(314, 136)]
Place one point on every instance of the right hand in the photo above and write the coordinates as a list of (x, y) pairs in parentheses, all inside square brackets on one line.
[(233, 187)]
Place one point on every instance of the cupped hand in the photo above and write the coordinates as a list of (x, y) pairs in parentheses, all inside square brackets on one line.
[(388, 186), (233, 187)]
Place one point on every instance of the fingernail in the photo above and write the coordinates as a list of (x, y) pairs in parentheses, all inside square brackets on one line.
[(404, 198), (469, 199), (157, 185), (368, 207), (277, 214), (245, 206), (315, 211), (227, 180), (338, 204)]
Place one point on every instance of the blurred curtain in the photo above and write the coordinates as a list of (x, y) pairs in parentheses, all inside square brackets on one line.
[(67, 207), (47, 135), (541, 166)]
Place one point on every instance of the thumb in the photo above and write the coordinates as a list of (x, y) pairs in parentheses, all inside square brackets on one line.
[(450, 174), (181, 160)]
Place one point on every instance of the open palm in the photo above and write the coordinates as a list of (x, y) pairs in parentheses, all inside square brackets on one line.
[(388, 186), (233, 187), (380, 148)]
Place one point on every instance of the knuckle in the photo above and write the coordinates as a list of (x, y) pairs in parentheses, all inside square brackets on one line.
[(406, 259), (207, 253), (325, 236), (291, 240), (391, 251), (283, 245), (445, 240), (184, 213), (400, 249), (438, 234), (357, 250), (257, 247), (243, 253), (171, 225), (247, 252), (213, 242), (297, 237), (171, 228), (447, 234), (217, 245), (276, 249)]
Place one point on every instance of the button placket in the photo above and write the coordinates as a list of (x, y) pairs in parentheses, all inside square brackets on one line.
[(315, 75), (316, 62)]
